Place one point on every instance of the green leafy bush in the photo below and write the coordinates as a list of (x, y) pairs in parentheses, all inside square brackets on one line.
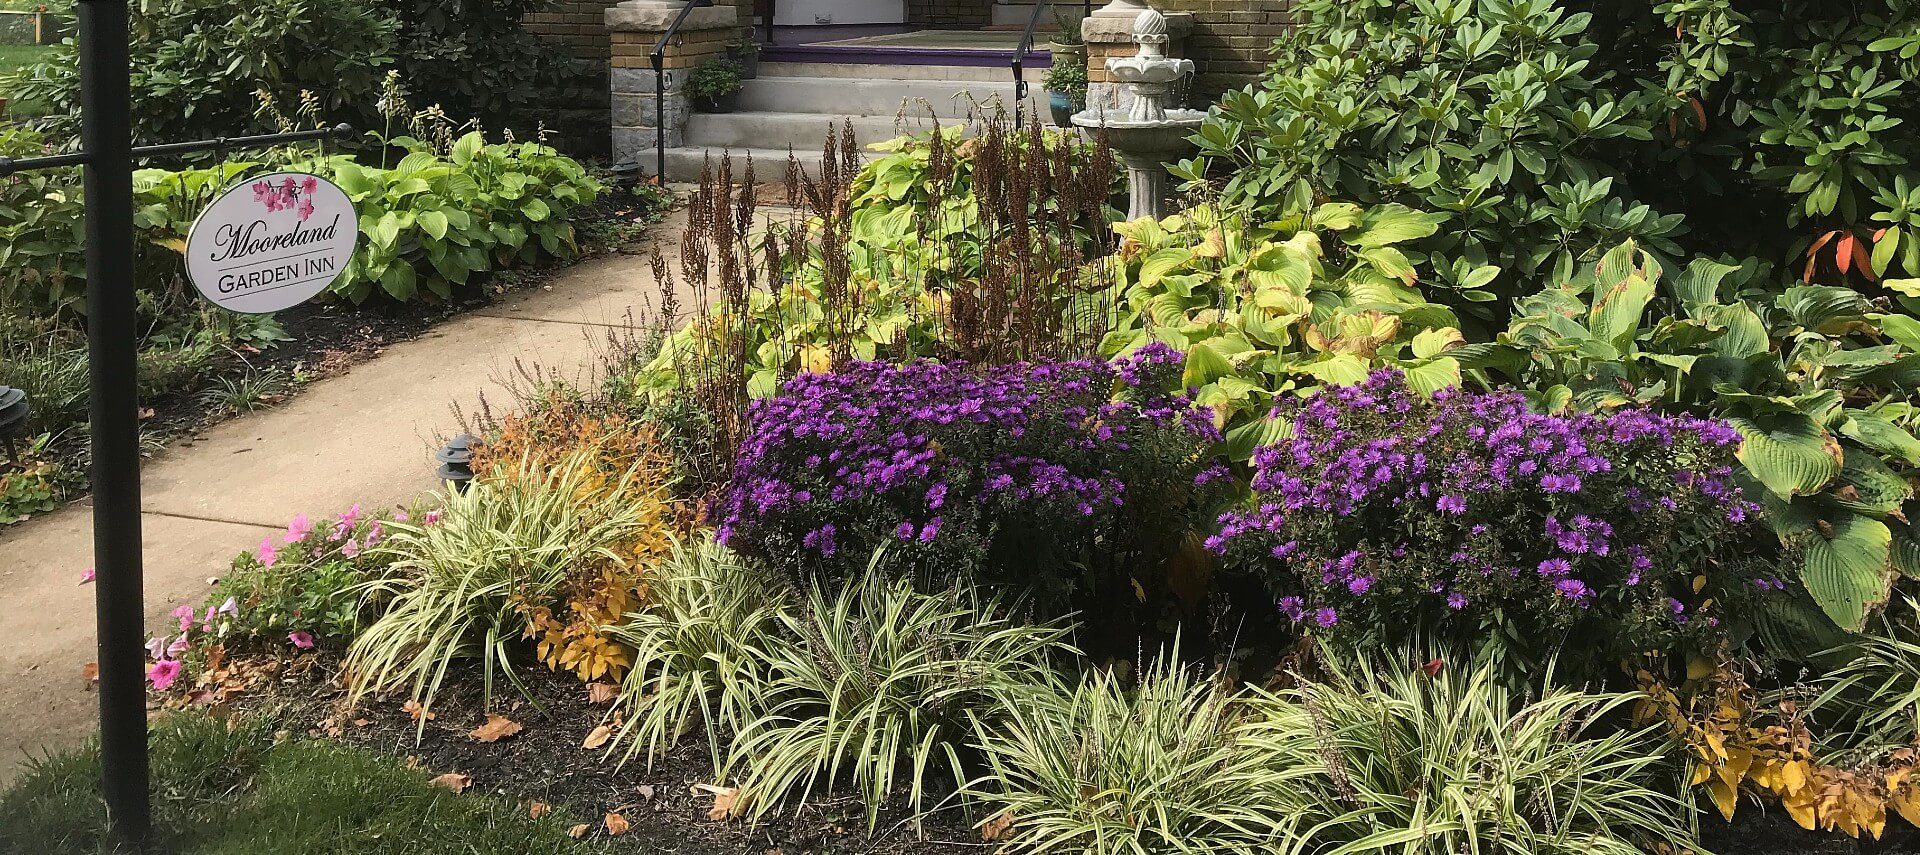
[(1550, 133), (715, 78), (437, 217), (199, 64), (474, 59)]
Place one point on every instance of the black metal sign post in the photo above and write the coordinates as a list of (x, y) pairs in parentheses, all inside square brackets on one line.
[(106, 137), (106, 134)]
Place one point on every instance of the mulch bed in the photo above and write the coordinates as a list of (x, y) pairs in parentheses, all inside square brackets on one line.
[(545, 761)]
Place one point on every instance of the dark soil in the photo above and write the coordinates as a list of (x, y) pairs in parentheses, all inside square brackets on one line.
[(1767, 830), (545, 762)]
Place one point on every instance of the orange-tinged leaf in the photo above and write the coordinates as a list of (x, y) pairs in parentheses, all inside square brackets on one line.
[(725, 800), (1699, 112), (995, 829), (1863, 259), (598, 737), (90, 672), (616, 824), (536, 810), (579, 831), (417, 712), (453, 781), (602, 693), (1843, 252), (496, 728), (1724, 797)]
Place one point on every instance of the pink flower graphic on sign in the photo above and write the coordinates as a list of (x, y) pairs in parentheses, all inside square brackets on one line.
[(288, 195)]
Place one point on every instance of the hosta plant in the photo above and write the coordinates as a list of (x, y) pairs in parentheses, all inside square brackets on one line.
[(1321, 296), (436, 217), (1384, 511), (1818, 380)]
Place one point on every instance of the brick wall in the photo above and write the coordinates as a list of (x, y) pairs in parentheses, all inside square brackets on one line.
[(579, 25), (1230, 38), (950, 13)]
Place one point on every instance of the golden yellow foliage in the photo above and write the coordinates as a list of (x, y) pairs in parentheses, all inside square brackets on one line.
[(1737, 744), (569, 634)]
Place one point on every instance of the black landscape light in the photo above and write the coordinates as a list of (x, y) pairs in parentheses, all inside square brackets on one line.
[(13, 420), (456, 461)]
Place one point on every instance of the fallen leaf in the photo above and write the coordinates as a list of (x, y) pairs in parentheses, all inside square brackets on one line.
[(537, 810), (453, 781), (146, 413), (91, 672), (996, 828), (725, 799), (579, 831), (602, 693), (496, 728), (415, 711), (361, 722), (646, 792), (598, 737), (617, 824)]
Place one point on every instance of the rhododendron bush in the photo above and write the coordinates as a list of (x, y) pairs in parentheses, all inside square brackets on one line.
[(1385, 511), (1027, 472)]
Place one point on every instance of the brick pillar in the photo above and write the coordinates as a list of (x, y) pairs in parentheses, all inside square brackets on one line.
[(636, 25), (1108, 32)]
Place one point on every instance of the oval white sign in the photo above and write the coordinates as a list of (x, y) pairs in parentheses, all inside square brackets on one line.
[(272, 242)]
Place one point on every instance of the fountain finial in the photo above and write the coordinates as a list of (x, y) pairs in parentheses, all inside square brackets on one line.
[(1150, 33)]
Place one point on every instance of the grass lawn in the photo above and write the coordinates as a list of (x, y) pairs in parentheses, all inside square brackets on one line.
[(15, 57), (237, 789)]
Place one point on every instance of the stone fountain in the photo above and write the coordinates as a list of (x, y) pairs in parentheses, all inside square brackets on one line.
[(1148, 135)]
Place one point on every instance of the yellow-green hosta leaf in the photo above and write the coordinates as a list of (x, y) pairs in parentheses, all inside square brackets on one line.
[(1391, 262), (1204, 365), (1161, 263), (1431, 377), (1792, 457), (1906, 552), (1340, 369), (1261, 431), (1337, 216), (1390, 224), (1849, 574), (1431, 343), (1617, 308), (1902, 329)]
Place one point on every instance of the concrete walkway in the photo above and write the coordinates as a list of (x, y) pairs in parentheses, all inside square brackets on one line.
[(364, 437)]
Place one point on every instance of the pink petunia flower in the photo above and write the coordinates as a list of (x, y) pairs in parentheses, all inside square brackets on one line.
[(301, 639), (180, 645), (230, 608), (206, 620), (184, 614), (163, 673), (298, 529), (86, 575), (400, 516), (430, 517), (266, 554), (374, 534), (156, 648), (350, 549)]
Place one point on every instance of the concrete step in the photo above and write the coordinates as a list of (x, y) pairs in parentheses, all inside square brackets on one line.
[(804, 131), (948, 99), (769, 164), (893, 71)]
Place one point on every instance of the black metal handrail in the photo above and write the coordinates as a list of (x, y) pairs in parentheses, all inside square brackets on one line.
[(659, 59), (1020, 62), (9, 166)]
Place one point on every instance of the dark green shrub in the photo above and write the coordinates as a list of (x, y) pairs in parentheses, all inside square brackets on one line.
[(1551, 130), (473, 58), (198, 66)]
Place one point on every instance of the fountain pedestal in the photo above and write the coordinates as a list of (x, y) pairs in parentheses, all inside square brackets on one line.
[(1147, 134)]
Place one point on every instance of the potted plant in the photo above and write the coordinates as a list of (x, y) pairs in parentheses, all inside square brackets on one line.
[(714, 85), (1067, 45), (746, 54), (1066, 85)]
